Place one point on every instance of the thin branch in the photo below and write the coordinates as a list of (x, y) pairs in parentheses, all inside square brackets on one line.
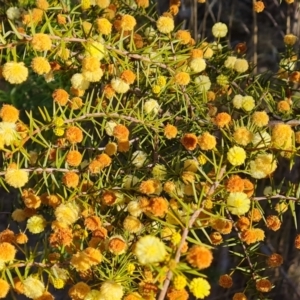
[(185, 234)]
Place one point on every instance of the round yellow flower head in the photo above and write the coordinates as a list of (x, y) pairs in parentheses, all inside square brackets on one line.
[(260, 118), (200, 288), (128, 22), (16, 177), (282, 136), (203, 83), (79, 82), (183, 36), (103, 3), (243, 136), (67, 213), (182, 78), (230, 62), (207, 141), (4, 288), (14, 73), (150, 249), (95, 49), (238, 203), (241, 65), (103, 26), (236, 156), (151, 106), (290, 39), (197, 64), (41, 42), (248, 103), (119, 85), (40, 65), (36, 224), (165, 24), (219, 30)]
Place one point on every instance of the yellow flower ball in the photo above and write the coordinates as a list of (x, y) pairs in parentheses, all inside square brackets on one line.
[(14, 73), (219, 30), (236, 156), (238, 203), (241, 65), (40, 65), (16, 177), (41, 42), (248, 103), (128, 22), (165, 24), (103, 26), (36, 224), (200, 287)]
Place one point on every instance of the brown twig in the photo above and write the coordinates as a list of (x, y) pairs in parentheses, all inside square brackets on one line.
[(185, 234)]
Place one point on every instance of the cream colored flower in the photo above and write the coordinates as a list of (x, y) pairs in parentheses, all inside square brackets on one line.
[(138, 158), (33, 288), (263, 165), (79, 82), (159, 172), (130, 181), (261, 140), (119, 85), (197, 64), (230, 61), (93, 295), (134, 208), (237, 101), (150, 249), (13, 13), (238, 203), (203, 83), (219, 30), (94, 76), (109, 127), (151, 107), (111, 290), (36, 224)]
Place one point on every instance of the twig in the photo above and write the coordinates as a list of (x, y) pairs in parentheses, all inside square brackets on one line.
[(185, 234)]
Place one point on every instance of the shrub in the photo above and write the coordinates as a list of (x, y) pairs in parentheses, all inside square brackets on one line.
[(140, 153)]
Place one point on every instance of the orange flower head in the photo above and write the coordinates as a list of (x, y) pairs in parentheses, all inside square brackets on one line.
[(75, 103), (74, 158), (255, 215), (225, 281), (189, 141), (61, 237), (4, 288), (7, 236), (79, 291), (128, 22), (138, 41), (158, 206), (123, 146), (74, 134), (95, 166), (21, 238), (92, 223), (94, 255), (222, 119), (263, 285), (31, 200), (128, 76), (216, 238), (121, 132), (70, 179), (111, 148), (143, 4), (252, 235), (239, 296), (104, 160), (18, 286), (258, 6), (9, 113), (60, 96), (273, 222), (150, 186), (196, 53), (199, 257), (182, 78), (207, 141), (117, 245), (283, 106), (221, 225), (109, 198), (61, 19), (260, 118), (183, 36), (243, 223), (248, 187), (108, 91), (274, 260), (170, 131), (7, 252), (174, 294), (235, 184), (297, 241)]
